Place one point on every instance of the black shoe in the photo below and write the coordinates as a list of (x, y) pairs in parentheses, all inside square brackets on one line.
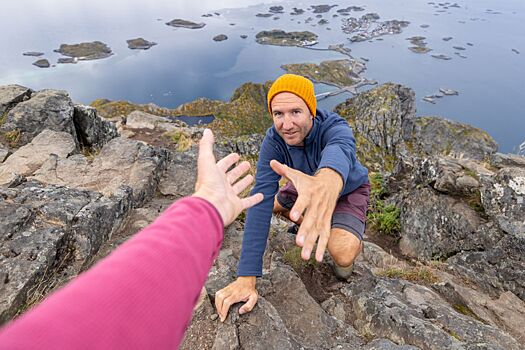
[(293, 229)]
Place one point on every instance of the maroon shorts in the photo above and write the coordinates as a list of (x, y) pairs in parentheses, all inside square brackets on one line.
[(350, 210)]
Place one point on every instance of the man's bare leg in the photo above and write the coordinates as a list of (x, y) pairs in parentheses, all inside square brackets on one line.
[(343, 246)]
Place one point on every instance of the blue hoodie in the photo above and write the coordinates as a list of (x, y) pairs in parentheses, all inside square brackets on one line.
[(330, 144)]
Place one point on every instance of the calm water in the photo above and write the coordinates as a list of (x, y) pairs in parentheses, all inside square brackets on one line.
[(187, 64)]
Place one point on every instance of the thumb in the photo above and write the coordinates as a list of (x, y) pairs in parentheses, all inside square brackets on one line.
[(206, 156), (283, 170)]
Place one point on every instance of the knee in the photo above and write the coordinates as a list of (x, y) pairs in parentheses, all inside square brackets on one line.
[(346, 257)]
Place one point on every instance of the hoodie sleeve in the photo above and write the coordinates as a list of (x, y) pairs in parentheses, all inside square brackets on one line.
[(258, 217), (339, 151)]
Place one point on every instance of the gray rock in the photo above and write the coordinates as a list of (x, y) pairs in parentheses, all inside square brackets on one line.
[(10, 96), (499, 268), (92, 130), (264, 15), (33, 53), (4, 152), (377, 117), (506, 312), (503, 197), (42, 63), (121, 162), (430, 136), (313, 327), (385, 344), (501, 160), (27, 159), (143, 120), (182, 23), (437, 226), (85, 51), (41, 226), (269, 327), (448, 38), (411, 314), (140, 44), (47, 109), (244, 36), (220, 37)]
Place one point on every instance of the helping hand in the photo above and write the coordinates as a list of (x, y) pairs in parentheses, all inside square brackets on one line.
[(218, 185), (318, 196)]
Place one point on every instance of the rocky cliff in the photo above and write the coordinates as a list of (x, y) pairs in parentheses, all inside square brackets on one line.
[(443, 264)]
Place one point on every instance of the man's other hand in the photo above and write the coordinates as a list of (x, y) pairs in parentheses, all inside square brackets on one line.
[(318, 196), (222, 187), (243, 289)]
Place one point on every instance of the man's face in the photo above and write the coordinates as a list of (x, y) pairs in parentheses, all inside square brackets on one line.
[(291, 117)]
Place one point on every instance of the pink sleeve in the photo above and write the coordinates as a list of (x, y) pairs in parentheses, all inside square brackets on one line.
[(140, 297)]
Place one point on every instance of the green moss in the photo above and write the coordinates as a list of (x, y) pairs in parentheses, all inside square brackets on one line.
[(294, 259), (454, 334), (90, 153), (474, 201), (385, 218), (422, 274), (12, 137), (182, 140), (377, 185), (471, 173), (3, 117)]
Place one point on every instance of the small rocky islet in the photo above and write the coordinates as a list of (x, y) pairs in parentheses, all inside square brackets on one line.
[(73, 190), (140, 44)]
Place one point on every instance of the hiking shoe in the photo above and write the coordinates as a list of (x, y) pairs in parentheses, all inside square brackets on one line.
[(293, 229), (343, 273)]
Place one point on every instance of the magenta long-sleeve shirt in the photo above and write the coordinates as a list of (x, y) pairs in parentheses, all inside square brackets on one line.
[(139, 297)]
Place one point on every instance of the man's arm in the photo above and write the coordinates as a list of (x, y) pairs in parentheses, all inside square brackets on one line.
[(255, 237), (339, 149)]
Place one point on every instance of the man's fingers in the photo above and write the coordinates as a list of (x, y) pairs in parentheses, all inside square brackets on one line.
[(248, 306), (286, 171), (234, 174), (242, 184), (321, 246), (225, 163), (298, 208), (229, 301), (252, 200), (219, 300)]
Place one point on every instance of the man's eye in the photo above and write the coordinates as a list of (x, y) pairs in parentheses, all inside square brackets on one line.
[(297, 111)]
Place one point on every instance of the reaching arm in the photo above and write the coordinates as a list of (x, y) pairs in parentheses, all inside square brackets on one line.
[(140, 297)]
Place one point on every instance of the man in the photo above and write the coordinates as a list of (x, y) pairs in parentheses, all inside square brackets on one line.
[(315, 150)]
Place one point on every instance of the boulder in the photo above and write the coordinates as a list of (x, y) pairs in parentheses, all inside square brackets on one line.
[(143, 120), (503, 198), (92, 131), (121, 162), (407, 313), (378, 117), (46, 109), (27, 159), (432, 135), (10, 96)]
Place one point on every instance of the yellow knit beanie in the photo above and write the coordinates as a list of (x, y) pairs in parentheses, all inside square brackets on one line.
[(297, 85)]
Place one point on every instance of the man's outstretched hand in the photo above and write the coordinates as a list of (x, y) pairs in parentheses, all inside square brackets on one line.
[(318, 196), (222, 187)]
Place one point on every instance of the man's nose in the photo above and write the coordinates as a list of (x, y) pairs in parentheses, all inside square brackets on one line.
[(287, 122)]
